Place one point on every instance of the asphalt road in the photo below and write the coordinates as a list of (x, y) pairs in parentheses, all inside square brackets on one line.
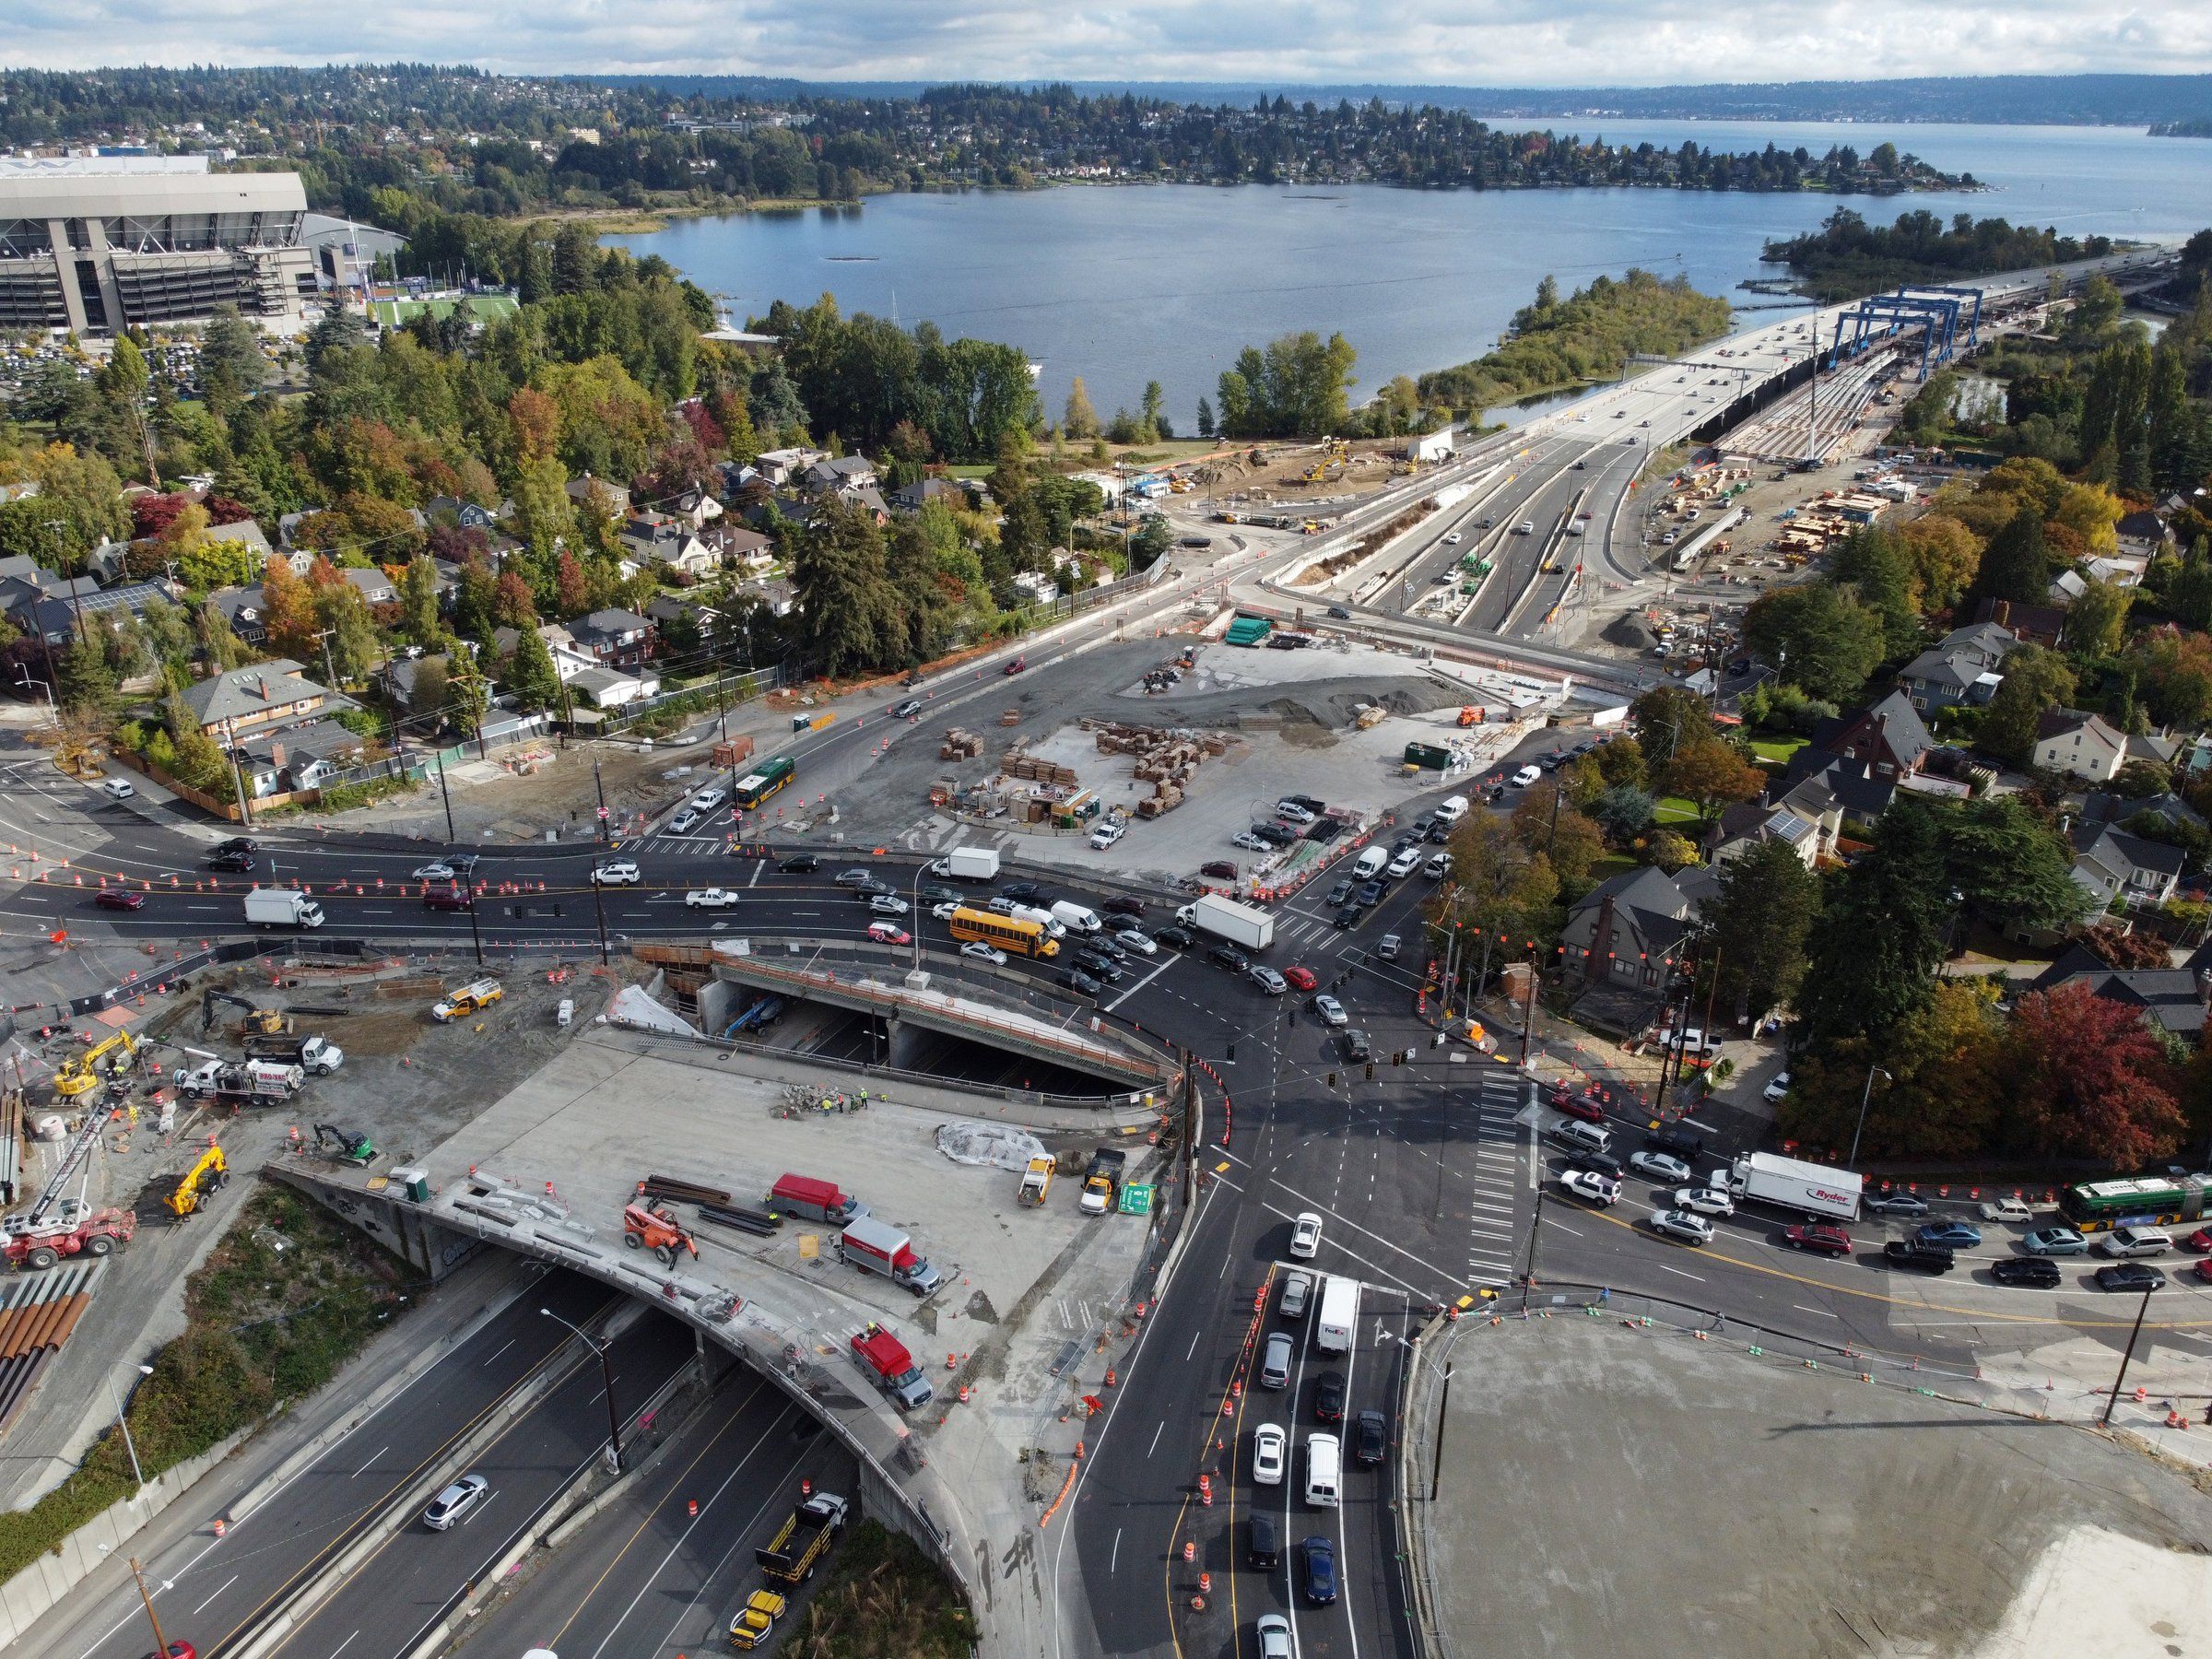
[(387, 1605), (209, 1590), (648, 1579)]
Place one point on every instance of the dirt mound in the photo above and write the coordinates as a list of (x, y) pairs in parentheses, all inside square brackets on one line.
[(1630, 634)]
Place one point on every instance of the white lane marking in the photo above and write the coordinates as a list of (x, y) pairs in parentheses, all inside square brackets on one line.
[(1155, 1445), (1193, 1348), (1664, 1268), (360, 1472), (1823, 1313), (218, 1589), (502, 1349), (1113, 1560)]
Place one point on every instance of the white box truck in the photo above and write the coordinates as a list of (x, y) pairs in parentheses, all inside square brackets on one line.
[(282, 907), (1241, 924), (1790, 1183), (1339, 1314), (968, 863)]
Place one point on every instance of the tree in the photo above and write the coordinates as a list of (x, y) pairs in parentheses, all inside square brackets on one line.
[(852, 612), (1546, 821), (2035, 680), (88, 677), (571, 590), (287, 611), (1620, 761), (1710, 775), (1821, 638), (1499, 898), (1941, 1099), (122, 382), (1206, 419), (2127, 951), (2014, 565), (2097, 620), (1759, 921), (1155, 403), (544, 513), (1624, 812), (1080, 420), (231, 365), (1873, 564), (418, 615), (1663, 719), (349, 635), (2174, 672), (1944, 555), (532, 679), (426, 694), (1298, 387), (1874, 949), (2086, 1079), (2010, 866)]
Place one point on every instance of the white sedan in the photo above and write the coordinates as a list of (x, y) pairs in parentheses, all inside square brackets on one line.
[(1705, 1201), (1591, 1184), (1305, 1236), (1269, 1451), (437, 870), (1685, 1225), (1143, 944), (710, 899), (942, 913), (984, 953)]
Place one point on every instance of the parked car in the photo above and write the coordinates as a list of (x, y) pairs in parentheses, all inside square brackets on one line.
[(2055, 1241), (1777, 1086), (1218, 869), (1819, 1238), (118, 789), (447, 1509), (2130, 1275), (1662, 1167), (2033, 1273)]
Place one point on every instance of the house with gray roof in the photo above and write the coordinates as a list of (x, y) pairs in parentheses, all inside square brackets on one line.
[(2170, 998), (274, 693), (1963, 667)]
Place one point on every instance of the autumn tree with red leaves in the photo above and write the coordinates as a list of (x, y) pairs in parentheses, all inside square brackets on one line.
[(2088, 1078)]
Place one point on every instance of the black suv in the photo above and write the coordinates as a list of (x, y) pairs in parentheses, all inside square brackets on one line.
[(1679, 1142), (239, 843), (1099, 967), (231, 861), (1122, 906), (1370, 1438), (1356, 1046), (1340, 894), (1025, 892), (1274, 835), (799, 864), (1175, 938), (1926, 1258), (1348, 915), (1231, 957)]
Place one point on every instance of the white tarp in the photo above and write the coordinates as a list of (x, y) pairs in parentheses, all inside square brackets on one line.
[(632, 1007), (993, 1146)]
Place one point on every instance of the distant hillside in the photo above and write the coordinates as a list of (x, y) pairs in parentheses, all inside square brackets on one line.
[(2023, 100)]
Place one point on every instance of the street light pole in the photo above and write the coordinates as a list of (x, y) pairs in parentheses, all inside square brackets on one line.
[(598, 887), (606, 1372), (129, 1445), (2113, 1399), (24, 679), (1865, 1095)]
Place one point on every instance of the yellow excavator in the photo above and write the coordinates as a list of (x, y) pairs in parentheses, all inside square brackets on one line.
[(199, 1183), (81, 1074)]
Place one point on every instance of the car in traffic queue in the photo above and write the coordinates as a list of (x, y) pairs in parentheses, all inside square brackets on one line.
[(1331, 1011), (1662, 1167), (620, 873), (2032, 1272), (450, 1505), (1305, 1236), (1685, 1226), (890, 932), (2123, 1277), (1302, 978), (981, 951), (2055, 1242), (1587, 1107), (1705, 1200), (1589, 1185), (1818, 1238), (1270, 1453)]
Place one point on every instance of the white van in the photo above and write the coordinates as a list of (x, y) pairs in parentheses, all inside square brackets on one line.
[(1075, 918), (1578, 1137), (1044, 918), (1450, 810), (1324, 1463), (2135, 1242), (1370, 864)]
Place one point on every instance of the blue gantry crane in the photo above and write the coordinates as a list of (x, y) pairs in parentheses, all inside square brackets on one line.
[(1937, 311)]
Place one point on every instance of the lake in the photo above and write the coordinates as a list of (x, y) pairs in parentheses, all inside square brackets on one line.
[(1125, 284)]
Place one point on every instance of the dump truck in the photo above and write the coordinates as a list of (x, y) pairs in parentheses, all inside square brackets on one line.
[(1036, 1182), (1103, 1180), (754, 1621), (1241, 924), (887, 1361), (317, 1056), (968, 863), (804, 1539), (282, 907)]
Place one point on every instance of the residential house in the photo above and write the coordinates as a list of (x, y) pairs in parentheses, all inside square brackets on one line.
[(669, 543), (241, 607), (1627, 932), (608, 688), (2100, 806), (615, 638), (741, 548), (1811, 835), (776, 594), (2170, 998), (299, 758), (2143, 533), (2120, 867), (834, 474), (270, 694), (781, 467), (2154, 746), (2075, 745), (666, 608), (56, 617), (1961, 668), (467, 516), (372, 585), (2042, 625), (569, 659), (1888, 737), (912, 497), (1835, 792), (247, 534), (695, 507), (613, 498)]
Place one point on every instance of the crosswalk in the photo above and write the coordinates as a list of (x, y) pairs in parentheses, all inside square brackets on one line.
[(678, 846), (1495, 1177)]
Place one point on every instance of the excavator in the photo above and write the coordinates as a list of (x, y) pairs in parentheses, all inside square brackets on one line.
[(199, 1183), (81, 1074), (258, 1021), (657, 1230), (352, 1146)]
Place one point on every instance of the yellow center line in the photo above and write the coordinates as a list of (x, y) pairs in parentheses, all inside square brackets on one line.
[(1707, 1253)]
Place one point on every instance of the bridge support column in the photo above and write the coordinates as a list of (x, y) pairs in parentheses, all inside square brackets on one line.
[(905, 1043)]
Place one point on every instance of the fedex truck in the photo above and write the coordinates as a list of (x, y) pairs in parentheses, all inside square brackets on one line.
[(1339, 1314)]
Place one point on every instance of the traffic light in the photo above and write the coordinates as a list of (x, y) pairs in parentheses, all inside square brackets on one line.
[(1397, 1056), (1371, 1071), (1233, 1053), (1332, 1080)]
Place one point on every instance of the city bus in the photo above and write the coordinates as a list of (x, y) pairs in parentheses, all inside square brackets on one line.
[(1016, 934), (763, 780), (2135, 1201)]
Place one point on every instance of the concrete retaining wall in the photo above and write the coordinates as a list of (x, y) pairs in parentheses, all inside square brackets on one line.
[(35, 1589)]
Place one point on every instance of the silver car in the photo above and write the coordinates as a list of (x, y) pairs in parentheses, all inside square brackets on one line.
[(1298, 1288), (1268, 980), (1275, 1364), (447, 1509)]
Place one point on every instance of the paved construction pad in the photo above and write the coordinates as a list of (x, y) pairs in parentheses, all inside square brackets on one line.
[(1614, 1489)]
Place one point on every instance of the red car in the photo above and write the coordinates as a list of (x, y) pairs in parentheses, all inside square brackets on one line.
[(1819, 1238), (1300, 977), (2203, 1269), (179, 1650), (451, 897), (2199, 1242), (1016, 665), (120, 898), (1589, 1108)]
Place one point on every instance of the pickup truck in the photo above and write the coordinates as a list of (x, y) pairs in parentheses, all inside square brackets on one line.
[(803, 1539)]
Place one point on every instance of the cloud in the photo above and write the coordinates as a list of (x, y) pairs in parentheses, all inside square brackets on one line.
[(1453, 42)]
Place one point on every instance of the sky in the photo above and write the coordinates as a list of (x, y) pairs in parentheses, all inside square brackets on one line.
[(1449, 43)]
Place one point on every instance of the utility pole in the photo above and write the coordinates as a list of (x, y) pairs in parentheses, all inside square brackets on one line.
[(599, 891), (451, 834), (1528, 1275), (2141, 1309), (160, 1643), (607, 1373), (1443, 1416)]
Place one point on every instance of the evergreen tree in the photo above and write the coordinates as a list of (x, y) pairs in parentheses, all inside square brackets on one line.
[(1080, 420), (419, 617), (2016, 565), (532, 679), (1206, 419), (1872, 955)]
